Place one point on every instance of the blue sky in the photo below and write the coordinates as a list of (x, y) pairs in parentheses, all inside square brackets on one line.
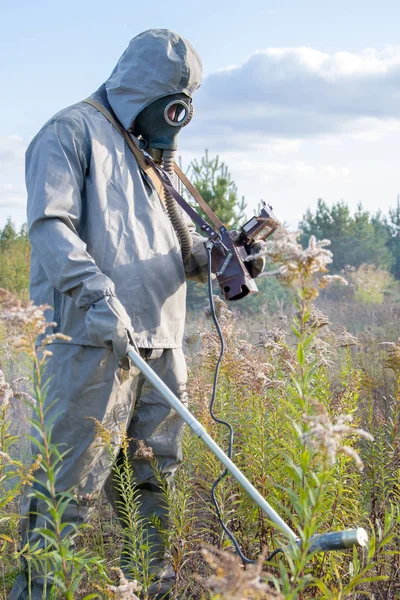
[(313, 114)]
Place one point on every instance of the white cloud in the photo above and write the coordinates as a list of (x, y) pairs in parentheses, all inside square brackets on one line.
[(12, 195), (12, 188), (298, 93), (373, 130), (264, 171), (12, 150), (330, 170), (292, 124), (296, 124), (304, 170)]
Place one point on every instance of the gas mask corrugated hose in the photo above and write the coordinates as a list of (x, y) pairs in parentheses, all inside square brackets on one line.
[(158, 125)]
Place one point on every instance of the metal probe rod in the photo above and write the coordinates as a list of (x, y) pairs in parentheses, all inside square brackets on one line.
[(200, 431), (337, 540)]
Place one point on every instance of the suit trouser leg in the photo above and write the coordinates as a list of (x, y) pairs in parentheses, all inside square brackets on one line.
[(161, 429), (86, 383)]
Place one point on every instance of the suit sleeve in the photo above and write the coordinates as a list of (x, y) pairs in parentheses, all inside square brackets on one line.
[(56, 164), (196, 263)]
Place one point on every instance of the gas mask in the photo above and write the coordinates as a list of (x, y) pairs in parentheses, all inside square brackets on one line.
[(158, 126)]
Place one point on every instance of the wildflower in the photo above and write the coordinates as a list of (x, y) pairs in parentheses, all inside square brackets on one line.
[(26, 477), (272, 339), (284, 249), (125, 589), (242, 364), (328, 279), (26, 397), (19, 393), (143, 451), (5, 458), (6, 392), (393, 354), (322, 352), (327, 435), (317, 319), (231, 581), (36, 464), (273, 384), (316, 255), (104, 434), (49, 339), (344, 339), (29, 322), (7, 299), (28, 317), (223, 313)]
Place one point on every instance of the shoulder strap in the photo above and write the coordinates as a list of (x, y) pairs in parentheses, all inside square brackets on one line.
[(154, 173), (132, 145), (199, 199)]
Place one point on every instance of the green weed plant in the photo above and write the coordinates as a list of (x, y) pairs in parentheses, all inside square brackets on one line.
[(313, 432)]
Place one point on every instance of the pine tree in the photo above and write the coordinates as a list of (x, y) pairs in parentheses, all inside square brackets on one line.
[(212, 179), (355, 239)]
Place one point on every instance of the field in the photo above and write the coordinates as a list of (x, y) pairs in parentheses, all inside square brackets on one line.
[(312, 390)]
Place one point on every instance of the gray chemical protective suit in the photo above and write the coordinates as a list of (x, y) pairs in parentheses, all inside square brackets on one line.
[(98, 229)]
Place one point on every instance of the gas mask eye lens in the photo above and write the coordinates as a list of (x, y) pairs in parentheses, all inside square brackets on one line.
[(177, 113), (159, 123)]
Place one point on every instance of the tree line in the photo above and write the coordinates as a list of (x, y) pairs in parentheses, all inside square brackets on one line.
[(356, 238)]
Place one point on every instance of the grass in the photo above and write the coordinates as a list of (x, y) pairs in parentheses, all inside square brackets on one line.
[(305, 399)]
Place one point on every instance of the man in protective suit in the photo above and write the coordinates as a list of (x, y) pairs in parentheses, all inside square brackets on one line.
[(106, 257)]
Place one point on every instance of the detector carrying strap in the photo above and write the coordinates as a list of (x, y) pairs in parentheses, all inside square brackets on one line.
[(136, 151), (233, 277), (160, 179)]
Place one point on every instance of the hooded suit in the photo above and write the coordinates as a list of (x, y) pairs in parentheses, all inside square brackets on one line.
[(96, 224), (98, 229)]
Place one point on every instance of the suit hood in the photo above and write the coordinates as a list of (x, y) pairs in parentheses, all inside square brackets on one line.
[(157, 63)]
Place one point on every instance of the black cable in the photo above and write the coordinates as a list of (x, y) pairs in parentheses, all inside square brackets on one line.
[(221, 421), (273, 554)]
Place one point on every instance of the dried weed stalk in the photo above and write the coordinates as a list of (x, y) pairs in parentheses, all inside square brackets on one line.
[(142, 451), (316, 319), (284, 249), (231, 581), (243, 364), (26, 322), (327, 435), (125, 590), (393, 355), (344, 339), (6, 391)]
